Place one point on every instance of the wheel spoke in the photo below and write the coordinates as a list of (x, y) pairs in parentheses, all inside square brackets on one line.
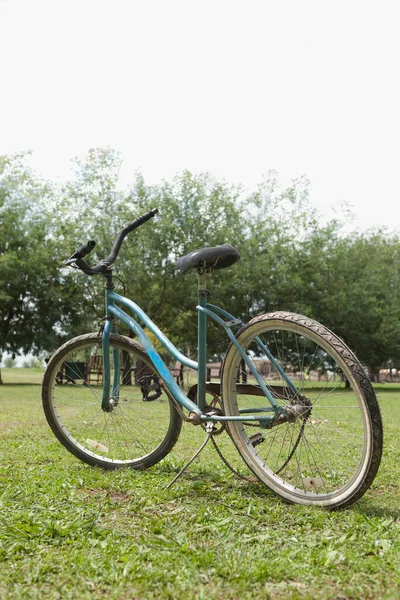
[(327, 456), (134, 432)]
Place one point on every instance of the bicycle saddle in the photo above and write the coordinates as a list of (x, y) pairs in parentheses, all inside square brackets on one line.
[(218, 257)]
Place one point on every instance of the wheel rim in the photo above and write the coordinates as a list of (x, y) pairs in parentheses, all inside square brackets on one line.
[(324, 457), (133, 432)]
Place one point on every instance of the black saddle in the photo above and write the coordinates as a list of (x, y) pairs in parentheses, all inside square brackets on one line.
[(218, 257)]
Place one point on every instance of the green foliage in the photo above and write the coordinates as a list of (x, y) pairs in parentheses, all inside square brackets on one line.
[(35, 299), (9, 362), (352, 285), (32, 363), (195, 211), (289, 260)]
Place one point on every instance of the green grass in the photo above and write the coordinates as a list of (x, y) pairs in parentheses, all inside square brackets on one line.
[(71, 531)]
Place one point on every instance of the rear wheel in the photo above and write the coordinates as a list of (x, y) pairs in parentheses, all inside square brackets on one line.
[(330, 455), (138, 432)]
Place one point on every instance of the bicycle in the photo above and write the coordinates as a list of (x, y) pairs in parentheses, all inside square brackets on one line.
[(294, 399)]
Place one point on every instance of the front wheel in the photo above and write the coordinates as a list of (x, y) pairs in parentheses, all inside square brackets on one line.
[(142, 427), (330, 454)]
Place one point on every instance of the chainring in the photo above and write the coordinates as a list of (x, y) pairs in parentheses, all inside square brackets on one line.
[(214, 409)]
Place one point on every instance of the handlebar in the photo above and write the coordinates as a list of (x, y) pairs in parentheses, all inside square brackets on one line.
[(103, 265)]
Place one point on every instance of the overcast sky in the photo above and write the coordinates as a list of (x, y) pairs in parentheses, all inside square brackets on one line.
[(233, 88)]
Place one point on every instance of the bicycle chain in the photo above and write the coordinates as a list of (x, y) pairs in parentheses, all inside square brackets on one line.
[(213, 406), (239, 475), (232, 469), (213, 409), (216, 400)]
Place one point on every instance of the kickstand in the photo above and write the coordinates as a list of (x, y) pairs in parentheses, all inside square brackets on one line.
[(209, 428)]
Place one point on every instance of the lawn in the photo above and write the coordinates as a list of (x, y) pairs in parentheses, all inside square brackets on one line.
[(68, 530)]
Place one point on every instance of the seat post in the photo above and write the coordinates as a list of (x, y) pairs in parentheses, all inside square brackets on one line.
[(202, 294)]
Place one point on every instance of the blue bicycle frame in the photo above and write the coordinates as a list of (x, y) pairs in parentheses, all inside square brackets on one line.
[(114, 302)]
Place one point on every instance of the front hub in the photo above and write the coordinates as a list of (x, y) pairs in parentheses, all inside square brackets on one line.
[(299, 408)]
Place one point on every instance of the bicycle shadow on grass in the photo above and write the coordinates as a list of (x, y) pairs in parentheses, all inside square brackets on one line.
[(212, 487), (383, 507), (209, 483), (379, 512)]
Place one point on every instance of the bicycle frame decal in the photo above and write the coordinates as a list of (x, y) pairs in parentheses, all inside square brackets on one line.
[(148, 346), (112, 297)]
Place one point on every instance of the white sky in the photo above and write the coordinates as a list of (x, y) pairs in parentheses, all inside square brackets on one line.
[(236, 88)]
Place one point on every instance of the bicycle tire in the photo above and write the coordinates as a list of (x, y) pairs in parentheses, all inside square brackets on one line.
[(329, 457), (135, 433)]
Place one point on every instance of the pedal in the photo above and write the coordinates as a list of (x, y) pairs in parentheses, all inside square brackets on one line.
[(256, 439), (150, 383)]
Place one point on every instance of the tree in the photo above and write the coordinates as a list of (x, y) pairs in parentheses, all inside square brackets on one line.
[(9, 362), (32, 292), (367, 269), (351, 284), (32, 363), (194, 211), (289, 260)]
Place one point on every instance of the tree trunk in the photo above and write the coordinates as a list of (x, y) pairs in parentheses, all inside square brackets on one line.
[(126, 368), (244, 372), (241, 373), (1, 381), (373, 374), (179, 378), (141, 370)]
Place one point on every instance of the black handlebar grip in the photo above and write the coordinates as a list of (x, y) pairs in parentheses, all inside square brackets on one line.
[(104, 264), (121, 236), (140, 220), (81, 252), (84, 249)]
